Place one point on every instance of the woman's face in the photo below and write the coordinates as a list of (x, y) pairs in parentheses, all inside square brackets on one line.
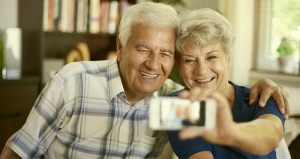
[(205, 67)]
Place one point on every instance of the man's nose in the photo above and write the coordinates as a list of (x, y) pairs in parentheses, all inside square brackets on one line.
[(153, 61)]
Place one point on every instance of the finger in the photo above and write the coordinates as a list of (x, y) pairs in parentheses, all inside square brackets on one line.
[(287, 108), (206, 93), (279, 98), (253, 95), (184, 94), (193, 94), (196, 94), (189, 133), (265, 95), (201, 95)]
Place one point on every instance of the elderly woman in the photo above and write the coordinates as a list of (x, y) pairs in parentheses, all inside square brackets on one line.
[(204, 43)]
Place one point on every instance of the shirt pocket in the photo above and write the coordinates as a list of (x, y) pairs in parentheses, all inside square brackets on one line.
[(95, 127)]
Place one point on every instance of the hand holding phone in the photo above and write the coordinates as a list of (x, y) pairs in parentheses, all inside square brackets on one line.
[(172, 113)]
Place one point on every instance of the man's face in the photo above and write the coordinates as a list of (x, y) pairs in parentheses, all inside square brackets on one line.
[(146, 61), (205, 67)]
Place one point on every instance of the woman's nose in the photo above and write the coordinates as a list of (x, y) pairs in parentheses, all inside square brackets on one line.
[(202, 67)]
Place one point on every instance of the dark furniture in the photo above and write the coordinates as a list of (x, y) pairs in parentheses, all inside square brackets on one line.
[(294, 148), (17, 98)]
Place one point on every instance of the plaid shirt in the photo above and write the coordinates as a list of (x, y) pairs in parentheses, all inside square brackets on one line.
[(83, 113)]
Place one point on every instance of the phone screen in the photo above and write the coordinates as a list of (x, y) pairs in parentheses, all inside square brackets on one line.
[(165, 113)]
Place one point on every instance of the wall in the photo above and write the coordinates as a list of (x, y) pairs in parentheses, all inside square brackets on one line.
[(196, 4), (243, 23), (9, 13)]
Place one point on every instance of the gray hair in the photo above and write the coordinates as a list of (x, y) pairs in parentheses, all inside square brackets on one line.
[(149, 14), (204, 27)]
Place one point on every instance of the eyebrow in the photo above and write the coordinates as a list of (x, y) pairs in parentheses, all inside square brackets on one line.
[(145, 46), (213, 51), (141, 45), (188, 55), (166, 50)]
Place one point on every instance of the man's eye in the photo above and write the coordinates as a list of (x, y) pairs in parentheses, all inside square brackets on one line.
[(166, 54), (211, 57), (143, 51)]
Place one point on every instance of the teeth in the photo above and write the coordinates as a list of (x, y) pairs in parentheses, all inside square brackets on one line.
[(204, 80), (150, 76)]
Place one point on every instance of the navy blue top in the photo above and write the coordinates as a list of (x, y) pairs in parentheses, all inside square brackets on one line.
[(241, 112)]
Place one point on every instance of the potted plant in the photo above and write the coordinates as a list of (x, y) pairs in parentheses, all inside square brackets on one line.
[(285, 51)]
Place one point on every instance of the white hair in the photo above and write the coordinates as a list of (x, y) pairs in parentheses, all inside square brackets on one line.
[(149, 14), (204, 27)]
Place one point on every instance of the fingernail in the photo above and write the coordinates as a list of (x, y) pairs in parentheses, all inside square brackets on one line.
[(262, 104), (250, 101), (286, 116), (183, 137), (282, 110)]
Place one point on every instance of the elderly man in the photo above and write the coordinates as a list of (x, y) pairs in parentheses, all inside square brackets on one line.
[(98, 109)]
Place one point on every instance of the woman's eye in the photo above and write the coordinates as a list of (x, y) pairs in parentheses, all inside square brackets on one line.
[(189, 61)]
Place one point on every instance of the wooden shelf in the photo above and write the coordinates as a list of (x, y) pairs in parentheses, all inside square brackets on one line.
[(58, 44)]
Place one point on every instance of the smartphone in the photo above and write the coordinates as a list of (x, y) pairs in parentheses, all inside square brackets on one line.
[(164, 113)]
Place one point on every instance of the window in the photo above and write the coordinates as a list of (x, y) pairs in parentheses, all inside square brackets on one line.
[(276, 21)]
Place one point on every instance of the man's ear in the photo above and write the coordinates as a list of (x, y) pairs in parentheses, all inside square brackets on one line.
[(119, 48)]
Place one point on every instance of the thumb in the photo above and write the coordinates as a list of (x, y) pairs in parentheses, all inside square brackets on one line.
[(188, 133)]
